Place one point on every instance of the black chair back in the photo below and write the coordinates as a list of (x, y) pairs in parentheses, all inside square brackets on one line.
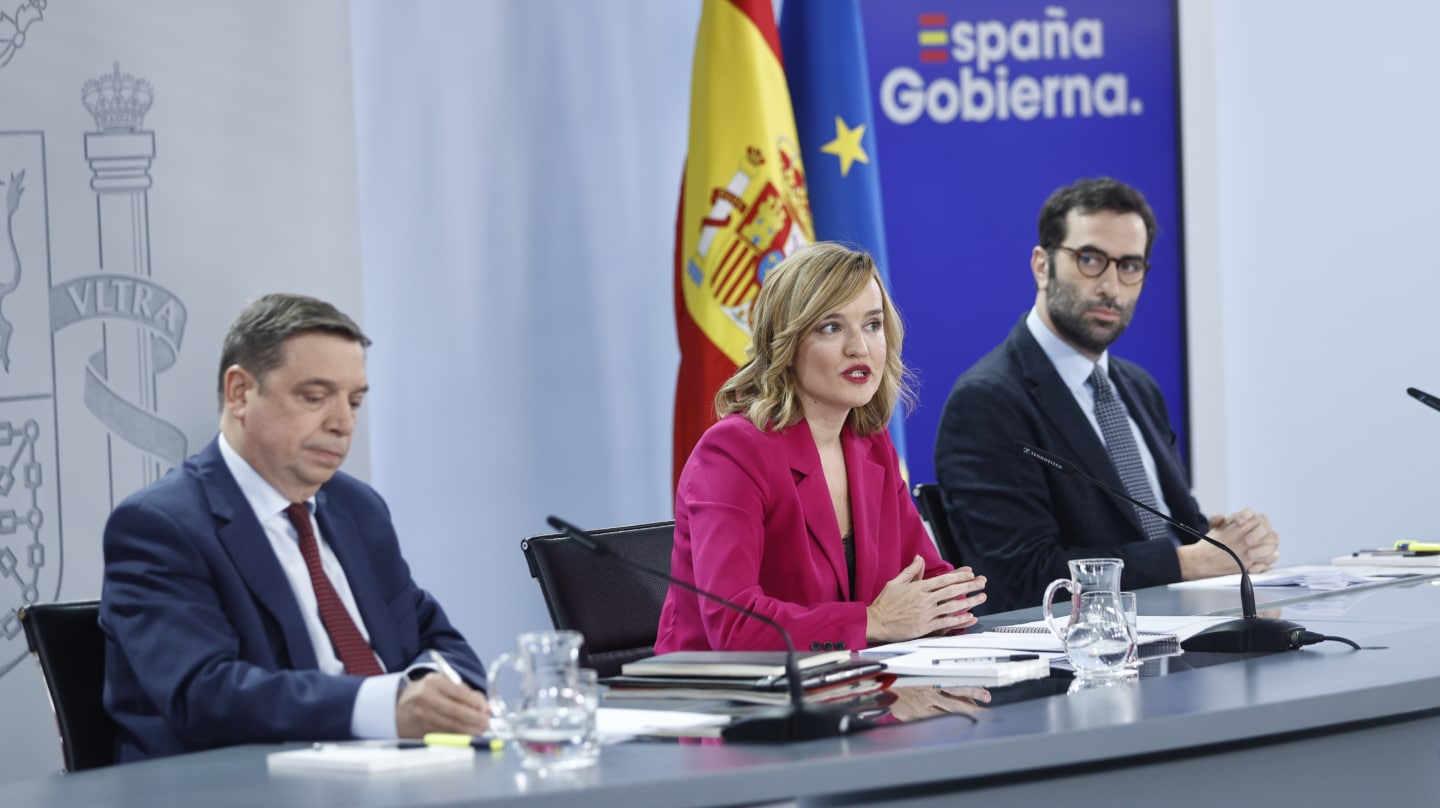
[(930, 499), (67, 640), (617, 608)]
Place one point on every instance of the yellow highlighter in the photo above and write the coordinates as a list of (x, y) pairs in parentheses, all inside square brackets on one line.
[(457, 739), (1418, 546)]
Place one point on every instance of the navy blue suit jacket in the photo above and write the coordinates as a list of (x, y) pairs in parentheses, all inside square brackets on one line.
[(205, 644), (1017, 520)]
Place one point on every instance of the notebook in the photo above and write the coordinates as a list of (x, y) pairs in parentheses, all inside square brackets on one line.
[(364, 757), (816, 677), (736, 664), (872, 683)]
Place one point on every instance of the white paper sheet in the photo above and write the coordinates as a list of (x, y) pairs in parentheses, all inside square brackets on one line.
[(1315, 576), (616, 724)]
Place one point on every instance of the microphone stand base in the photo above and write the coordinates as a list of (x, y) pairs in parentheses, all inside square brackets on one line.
[(1247, 634)]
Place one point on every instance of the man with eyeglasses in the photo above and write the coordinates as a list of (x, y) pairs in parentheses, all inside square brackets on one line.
[(1054, 384)]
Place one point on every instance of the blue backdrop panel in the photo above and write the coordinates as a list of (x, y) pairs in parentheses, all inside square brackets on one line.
[(982, 109)]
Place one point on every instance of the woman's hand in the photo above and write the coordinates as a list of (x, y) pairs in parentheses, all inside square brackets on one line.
[(911, 606)]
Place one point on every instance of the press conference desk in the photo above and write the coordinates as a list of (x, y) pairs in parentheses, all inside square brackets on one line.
[(1325, 724)]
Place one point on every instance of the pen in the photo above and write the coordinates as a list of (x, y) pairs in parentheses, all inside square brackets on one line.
[(445, 668), (456, 739), (1010, 658)]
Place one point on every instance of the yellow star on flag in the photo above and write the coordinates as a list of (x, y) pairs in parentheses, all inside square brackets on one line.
[(846, 145)]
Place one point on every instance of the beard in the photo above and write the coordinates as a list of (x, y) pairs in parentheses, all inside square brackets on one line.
[(1067, 306)]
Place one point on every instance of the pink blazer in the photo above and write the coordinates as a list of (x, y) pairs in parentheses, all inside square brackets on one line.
[(754, 524)]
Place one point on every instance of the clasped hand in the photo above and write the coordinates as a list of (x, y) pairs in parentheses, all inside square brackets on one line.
[(912, 606), (1246, 532), (1249, 534)]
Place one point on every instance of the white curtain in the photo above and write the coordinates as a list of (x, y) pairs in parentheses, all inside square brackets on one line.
[(519, 167)]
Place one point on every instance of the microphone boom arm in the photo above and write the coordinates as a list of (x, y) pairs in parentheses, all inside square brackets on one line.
[(792, 670), (1247, 589)]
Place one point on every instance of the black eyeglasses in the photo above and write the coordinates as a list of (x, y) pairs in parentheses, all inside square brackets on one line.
[(1092, 263)]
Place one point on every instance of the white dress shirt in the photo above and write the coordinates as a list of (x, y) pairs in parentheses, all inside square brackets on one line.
[(373, 715)]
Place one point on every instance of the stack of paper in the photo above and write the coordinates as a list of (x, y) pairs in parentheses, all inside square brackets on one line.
[(630, 687), (1387, 558), (756, 677), (1318, 577), (736, 664)]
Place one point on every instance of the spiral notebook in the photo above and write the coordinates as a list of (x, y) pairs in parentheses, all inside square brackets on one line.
[(1147, 643), (1158, 633)]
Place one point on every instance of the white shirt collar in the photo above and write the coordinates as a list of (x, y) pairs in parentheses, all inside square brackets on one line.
[(1074, 367), (265, 500)]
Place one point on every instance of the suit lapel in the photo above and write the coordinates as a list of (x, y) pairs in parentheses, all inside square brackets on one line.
[(346, 541), (1057, 404), (244, 540), (815, 501), (867, 478)]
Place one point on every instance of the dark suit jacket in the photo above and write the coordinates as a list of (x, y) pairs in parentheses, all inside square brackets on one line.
[(754, 524), (1019, 521), (205, 645)]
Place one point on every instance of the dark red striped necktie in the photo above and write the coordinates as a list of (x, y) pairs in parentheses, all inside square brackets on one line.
[(350, 645)]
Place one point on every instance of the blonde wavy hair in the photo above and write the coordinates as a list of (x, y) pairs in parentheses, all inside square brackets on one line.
[(811, 283)]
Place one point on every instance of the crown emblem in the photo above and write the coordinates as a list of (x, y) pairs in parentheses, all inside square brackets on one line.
[(118, 101)]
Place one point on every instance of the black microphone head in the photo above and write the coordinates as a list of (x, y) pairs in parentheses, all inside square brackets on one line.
[(795, 723), (1423, 397), (1044, 457), (581, 537)]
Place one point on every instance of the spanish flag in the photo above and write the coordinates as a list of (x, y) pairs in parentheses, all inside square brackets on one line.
[(743, 202)]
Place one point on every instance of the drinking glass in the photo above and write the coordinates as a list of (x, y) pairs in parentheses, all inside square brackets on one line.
[(1132, 620), (1098, 642)]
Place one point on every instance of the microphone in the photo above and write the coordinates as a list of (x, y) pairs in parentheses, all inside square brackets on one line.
[(1250, 632), (797, 722), (1423, 397)]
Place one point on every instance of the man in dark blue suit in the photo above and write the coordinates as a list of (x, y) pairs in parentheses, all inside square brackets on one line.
[(1053, 383), (257, 593)]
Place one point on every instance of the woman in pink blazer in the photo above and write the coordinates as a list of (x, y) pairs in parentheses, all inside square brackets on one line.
[(792, 504)]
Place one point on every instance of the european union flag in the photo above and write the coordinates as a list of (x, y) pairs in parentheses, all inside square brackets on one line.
[(824, 50)]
